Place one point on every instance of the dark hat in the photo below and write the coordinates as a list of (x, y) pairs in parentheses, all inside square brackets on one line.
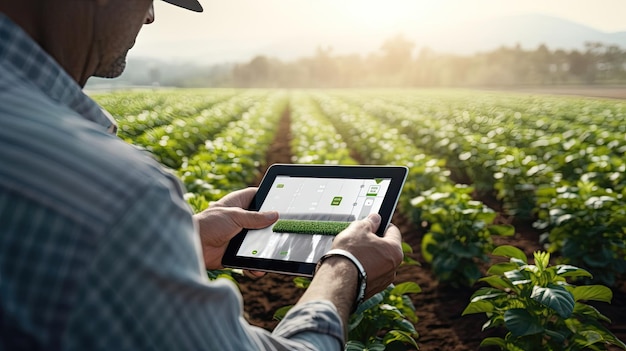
[(192, 5)]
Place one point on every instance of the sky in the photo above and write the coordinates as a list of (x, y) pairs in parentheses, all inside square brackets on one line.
[(231, 29)]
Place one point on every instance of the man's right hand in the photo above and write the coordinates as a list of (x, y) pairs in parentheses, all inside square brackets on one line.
[(336, 279), (380, 256)]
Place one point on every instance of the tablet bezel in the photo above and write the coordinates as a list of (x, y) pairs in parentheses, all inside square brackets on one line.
[(397, 174)]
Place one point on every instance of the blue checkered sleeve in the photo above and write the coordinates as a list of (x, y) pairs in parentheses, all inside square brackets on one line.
[(98, 249)]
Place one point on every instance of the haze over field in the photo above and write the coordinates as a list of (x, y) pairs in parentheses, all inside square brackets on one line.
[(237, 30)]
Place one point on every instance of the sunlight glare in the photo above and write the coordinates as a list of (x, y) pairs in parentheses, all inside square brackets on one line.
[(382, 14)]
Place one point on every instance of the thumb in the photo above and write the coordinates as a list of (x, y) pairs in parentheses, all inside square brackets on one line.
[(255, 220), (374, 219)]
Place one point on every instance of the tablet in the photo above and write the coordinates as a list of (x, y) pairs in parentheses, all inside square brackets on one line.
[(315, 203)]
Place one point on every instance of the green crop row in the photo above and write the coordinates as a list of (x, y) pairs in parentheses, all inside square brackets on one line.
[(538, 155), (465, 227), (232, 159), (559, 161), (314, 140), (182, 137), (140, 111)]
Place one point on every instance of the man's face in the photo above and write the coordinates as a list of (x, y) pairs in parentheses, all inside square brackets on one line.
[(116, 28)]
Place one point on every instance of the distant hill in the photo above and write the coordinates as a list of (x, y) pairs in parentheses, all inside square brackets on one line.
[(529, 31)]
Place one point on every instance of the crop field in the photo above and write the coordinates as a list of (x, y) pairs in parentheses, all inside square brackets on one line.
[(537, 172)]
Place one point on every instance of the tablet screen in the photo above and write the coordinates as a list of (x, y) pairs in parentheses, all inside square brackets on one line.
[(311, 212), (314, 203)]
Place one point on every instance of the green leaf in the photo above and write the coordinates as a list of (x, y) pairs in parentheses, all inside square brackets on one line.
[(497, 282), (404, 325), (302, 282), (511, 252), (282, 312), (487, 294), (520, 323), (545, 191), (542, 259), (406, 248), (518, 277), (555, 297), (371, 302), (502, 230), (355, 320), (592, 337), (558, 337), (399, 336), (406, 288), (571, 271), (593, 293), (486, 217), (590, 312), (501, 268), (354, 345), (427, 241), (492, 341), (478, 307)]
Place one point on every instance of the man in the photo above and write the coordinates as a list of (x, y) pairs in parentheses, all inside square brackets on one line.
[(98, 249)]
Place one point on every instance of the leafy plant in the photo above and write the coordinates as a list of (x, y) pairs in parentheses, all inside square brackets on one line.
[(586, 224), (383, 322), (537, 306), (226, 273), (459, 233), (389, 312), (515, 182)]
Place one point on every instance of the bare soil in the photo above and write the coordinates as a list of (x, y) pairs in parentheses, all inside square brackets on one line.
[(439, 307)]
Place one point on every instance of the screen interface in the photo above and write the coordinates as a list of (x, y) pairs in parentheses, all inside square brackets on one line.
[(312, 211)]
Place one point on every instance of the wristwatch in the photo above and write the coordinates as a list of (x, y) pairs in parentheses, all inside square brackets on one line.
[(362, 279)]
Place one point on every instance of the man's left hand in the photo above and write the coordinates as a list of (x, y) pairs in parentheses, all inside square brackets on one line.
[(224, 219)]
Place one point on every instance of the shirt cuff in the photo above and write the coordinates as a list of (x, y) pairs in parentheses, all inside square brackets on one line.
[(319, 317)]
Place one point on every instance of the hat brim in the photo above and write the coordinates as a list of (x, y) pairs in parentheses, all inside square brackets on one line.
[(192, 5)]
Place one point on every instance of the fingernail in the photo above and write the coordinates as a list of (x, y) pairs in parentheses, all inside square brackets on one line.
[(375, 218), (271, 215)]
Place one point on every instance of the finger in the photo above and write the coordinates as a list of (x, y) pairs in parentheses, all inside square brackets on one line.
[(374, 219), (393, 234), (253, 274), (240, 198), (368, 224)]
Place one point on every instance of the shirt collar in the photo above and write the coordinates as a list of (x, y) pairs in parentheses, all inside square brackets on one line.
[(28, 60)]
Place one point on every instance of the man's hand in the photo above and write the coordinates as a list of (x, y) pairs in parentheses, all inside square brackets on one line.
[(337, 277), (224, 219), (380, 257)]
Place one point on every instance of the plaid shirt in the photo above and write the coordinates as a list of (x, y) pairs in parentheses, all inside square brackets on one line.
[(98, 249)]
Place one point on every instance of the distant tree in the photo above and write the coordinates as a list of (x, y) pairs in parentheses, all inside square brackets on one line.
[(258, 73), (541, 61), (324, 71), (394, 65), (397, 55), (613, 59), (592, 54), (578, 64)]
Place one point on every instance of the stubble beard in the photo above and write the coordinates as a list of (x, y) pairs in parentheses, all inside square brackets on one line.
[(115, 69)]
